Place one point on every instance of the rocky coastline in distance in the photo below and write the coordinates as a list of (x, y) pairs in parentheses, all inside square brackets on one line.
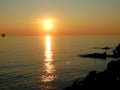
[(108, 79)]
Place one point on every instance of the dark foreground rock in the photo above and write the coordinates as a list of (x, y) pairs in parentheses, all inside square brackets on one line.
[(108, 79)]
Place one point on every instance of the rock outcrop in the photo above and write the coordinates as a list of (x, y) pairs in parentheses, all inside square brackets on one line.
[(108, 79)]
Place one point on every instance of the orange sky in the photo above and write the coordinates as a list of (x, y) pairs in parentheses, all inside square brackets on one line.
[(72, 17)]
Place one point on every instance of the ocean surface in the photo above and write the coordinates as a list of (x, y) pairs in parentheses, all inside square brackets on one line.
[(50, 62)]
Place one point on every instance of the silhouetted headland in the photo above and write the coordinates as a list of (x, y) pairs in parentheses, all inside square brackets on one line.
[(116, 54)]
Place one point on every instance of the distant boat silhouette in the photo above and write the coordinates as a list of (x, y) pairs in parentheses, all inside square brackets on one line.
[(3, 35)]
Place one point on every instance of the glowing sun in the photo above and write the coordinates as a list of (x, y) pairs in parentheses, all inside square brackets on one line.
[(48, 24)]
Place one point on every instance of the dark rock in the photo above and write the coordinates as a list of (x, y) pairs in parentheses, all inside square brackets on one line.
[(109, 78), (106, 48), (116, 54), (95, 55)]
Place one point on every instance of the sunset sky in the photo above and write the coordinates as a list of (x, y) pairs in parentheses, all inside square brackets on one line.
[(70, 17)]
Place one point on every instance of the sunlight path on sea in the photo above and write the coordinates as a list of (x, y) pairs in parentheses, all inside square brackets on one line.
[(49, 69)]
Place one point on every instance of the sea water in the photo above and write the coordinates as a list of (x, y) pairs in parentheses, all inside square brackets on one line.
[(50, 62)]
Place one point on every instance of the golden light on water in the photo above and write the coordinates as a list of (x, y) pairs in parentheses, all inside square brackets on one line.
[(48, 53), (49, 69)]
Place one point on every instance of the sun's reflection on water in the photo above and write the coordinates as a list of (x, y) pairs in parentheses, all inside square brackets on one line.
[(49, 69)]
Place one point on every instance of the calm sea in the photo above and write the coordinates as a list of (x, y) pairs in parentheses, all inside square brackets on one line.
[(49, 62)]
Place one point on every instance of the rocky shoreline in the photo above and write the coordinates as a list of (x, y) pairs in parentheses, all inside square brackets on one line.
[(109, 78)]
